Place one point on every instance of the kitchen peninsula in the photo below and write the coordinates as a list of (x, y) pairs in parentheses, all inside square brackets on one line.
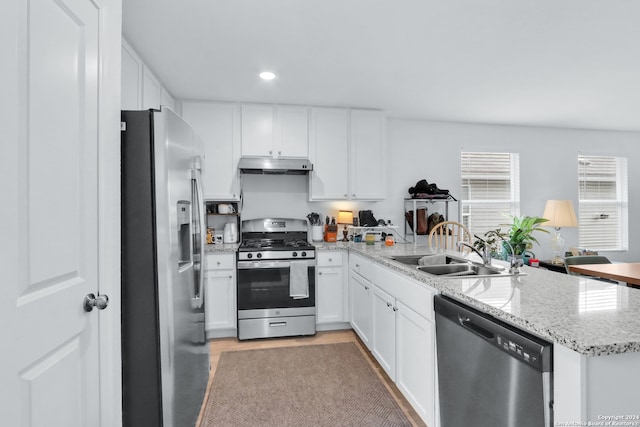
[(594, 326)]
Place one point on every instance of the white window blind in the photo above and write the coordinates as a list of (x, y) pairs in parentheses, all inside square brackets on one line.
[(603, 202), (490, 189)]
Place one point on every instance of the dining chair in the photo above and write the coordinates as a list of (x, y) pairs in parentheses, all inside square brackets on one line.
[(447, 234), (584, 259), (587, 259)]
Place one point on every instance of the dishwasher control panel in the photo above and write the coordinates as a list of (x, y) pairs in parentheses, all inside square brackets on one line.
[(517, 350)]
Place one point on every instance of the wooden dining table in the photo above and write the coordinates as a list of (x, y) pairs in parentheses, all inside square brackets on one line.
[(628, 272)]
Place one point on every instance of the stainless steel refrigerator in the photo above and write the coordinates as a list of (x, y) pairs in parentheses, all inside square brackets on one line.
[(165, 363)]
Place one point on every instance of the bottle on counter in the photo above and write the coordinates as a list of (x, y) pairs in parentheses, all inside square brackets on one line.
[(389, 240), (210, 235)]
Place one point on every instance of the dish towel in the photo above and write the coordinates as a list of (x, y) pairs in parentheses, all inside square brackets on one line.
[(298, 280)]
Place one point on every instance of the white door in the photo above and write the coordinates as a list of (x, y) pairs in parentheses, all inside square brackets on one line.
[(49, 365)]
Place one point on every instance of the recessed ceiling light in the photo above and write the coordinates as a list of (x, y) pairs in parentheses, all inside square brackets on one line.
[(267, 75)]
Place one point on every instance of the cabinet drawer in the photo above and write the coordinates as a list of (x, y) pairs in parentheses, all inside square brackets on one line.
[(361, 265), (329, 258), (221, 262)]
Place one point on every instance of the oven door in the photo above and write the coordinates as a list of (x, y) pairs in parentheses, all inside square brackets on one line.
[(264, 285)]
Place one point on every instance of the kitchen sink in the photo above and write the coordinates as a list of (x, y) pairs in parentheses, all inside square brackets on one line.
[(415, 259), (460, 269), (446, 266)]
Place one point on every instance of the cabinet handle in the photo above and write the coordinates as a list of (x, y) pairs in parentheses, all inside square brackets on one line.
[(353, 195), (319, 273), (388, 304), (218, 262), (330, 259), (230, 276), (395, 308), (270, 152), (279, 152), (346, 195), (366, 288), (357, 265)]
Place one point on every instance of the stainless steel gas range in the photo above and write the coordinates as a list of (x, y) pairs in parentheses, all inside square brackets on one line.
[(276, 279)]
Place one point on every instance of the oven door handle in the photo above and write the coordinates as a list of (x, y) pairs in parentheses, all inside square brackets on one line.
[(250, 265)]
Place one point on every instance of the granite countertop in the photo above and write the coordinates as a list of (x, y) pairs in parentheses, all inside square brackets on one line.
[(221, 247), (588, 316)]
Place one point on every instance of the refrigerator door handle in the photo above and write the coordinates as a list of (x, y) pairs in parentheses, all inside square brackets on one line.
[(196, 300)]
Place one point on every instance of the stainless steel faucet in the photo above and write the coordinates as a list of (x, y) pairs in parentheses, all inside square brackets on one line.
[(515, 263), (486, 252)]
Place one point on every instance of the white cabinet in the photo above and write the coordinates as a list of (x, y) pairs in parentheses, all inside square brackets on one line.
[(347, 149), (151, 90), (140, 89), (328, 145), (367, 155), (218, 125), (275, 131), (220, 295), (394, 316), (131, 86), (331, 290), (360, 298), (384, 331), (415, 372)]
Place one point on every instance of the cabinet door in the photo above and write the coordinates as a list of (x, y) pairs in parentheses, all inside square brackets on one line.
[(384, 331), (292, 132), (218, 125), (328, 151), (330, 295), (151, 90), (416, 361), (368, 156), (360, 299), (257, 130), (220, 299), (130, 87)]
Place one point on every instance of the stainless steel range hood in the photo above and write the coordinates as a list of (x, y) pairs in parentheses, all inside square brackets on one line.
[(272, 166)]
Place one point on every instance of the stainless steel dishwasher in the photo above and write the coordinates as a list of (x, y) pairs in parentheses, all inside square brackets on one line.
[(490, 374)]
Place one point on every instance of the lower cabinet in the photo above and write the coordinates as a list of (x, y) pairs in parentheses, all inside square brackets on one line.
[(331, 291), (393, 315), (360, 297), (415, 373), (220, 311), (384, 331)]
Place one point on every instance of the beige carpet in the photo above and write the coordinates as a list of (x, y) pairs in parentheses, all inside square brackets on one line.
[(316, 385)]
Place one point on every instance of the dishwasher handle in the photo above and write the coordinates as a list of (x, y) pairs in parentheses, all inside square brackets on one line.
[(475, 328)]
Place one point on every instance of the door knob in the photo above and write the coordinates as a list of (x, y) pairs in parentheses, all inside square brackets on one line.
[(90, 301)]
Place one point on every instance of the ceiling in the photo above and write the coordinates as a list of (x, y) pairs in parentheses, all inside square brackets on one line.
[(555, 63)]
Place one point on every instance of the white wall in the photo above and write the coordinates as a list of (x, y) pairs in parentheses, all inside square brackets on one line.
[(548, 164), (431, 151)]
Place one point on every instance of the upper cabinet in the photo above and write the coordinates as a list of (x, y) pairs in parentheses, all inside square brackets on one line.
[(367, 155), (218, 125), (328, 151), (140, 89), (275, 131), (348, 150)]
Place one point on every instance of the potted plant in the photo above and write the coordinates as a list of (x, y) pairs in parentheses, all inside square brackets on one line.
[(520, 234)]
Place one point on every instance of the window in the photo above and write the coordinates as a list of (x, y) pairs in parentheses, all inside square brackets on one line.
[(603, 202), (490, 189)]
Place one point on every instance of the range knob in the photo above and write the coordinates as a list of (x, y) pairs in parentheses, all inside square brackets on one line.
[(303, 254), (259, 255), (249, 255), (295, 254)]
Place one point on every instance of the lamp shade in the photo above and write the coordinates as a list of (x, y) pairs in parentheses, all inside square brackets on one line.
[(345, 217), (560, 213)]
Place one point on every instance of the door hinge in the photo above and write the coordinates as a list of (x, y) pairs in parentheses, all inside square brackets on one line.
[(123, 126)]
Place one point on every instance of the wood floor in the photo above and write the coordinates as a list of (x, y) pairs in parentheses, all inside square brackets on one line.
[(232, 344)]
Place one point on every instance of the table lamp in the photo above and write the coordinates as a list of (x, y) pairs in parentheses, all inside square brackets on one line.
[(345, 217), (560, 213)]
